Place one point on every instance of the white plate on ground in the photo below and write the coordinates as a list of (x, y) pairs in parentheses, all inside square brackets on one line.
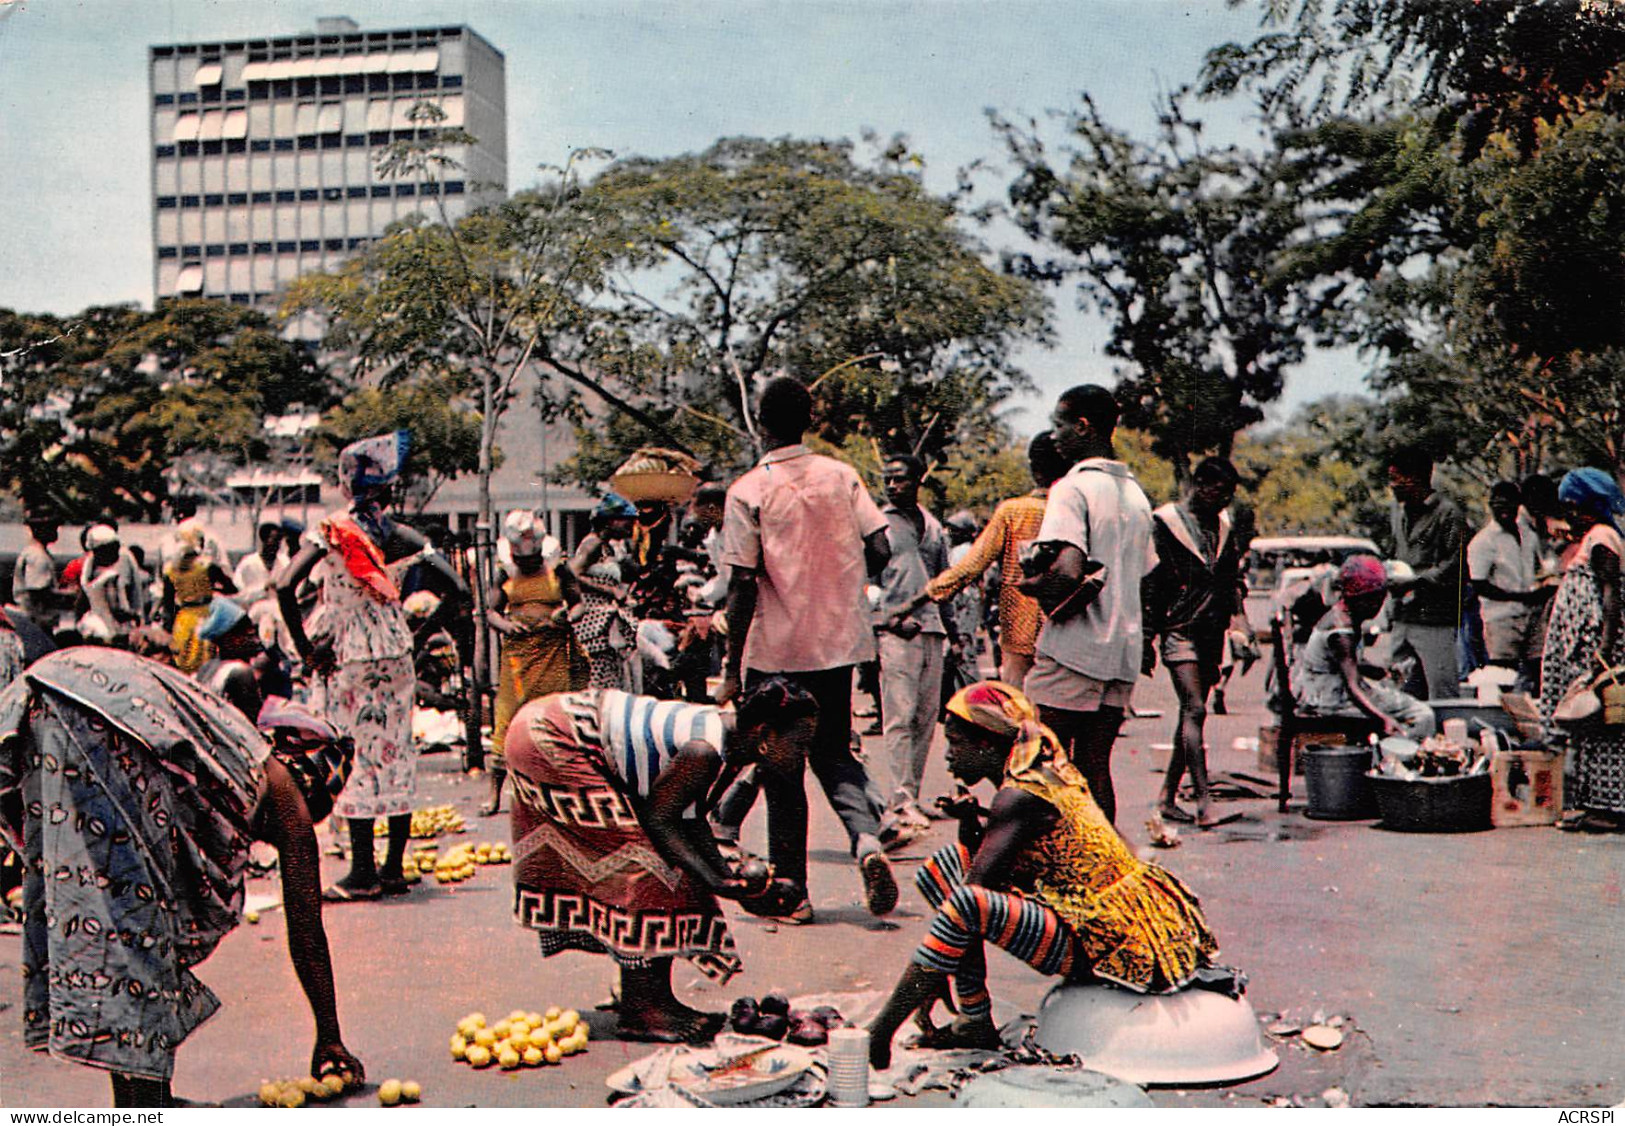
[(774, 1071)]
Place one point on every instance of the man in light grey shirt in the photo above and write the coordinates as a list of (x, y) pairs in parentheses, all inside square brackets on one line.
[(33, 583)]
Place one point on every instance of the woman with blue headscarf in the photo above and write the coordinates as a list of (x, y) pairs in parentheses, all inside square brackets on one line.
[(1583, 636), (357, 651), (600, 565)]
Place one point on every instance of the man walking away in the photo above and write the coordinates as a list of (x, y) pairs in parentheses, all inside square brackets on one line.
[(33, 583), (1084, 671), (802, 536), (1429, 534)]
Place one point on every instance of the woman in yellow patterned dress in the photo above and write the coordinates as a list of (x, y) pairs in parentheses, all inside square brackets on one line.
[(1048, 879), (190, 582), (539, 654)]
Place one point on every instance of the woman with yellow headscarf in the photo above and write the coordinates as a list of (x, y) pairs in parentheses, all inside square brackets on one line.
[(1048, 879)]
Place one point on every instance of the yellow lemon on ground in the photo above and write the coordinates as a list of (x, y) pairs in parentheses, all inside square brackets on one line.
[(389, 1092), (552, 1054), (485, 1038), (582, 1031), (271, 1093), (533, 1019), (292, 1098), (508, 1060), (411, 1091), (459, 1048), (502, 1029), (466, 1028), (570, 1045), (518, 1030), (540, 1038), (567, 1023), (478, 1018), (532, 1057), (553, 1012), (251, 917), (479, 1056), (334, 1084)]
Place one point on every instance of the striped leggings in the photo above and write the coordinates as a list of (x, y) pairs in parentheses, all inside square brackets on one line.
[(967, 914)]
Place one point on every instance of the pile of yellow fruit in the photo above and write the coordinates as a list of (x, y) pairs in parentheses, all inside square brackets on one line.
[(392, 1091), (292, 1093), (429, 822), (527, 1039), (461, 861)]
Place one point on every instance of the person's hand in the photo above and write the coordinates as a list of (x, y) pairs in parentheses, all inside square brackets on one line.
[(906, 628), (961, 807), (333, 1058), (729, 688), (1148, 655), (1391, 726)]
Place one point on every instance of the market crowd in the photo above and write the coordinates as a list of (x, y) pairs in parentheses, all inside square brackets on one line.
[(693, 658)]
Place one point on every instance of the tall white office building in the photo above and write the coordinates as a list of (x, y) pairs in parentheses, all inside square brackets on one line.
[(265, 150)]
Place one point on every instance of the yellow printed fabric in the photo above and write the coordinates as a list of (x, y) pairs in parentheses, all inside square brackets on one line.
[(1014, 524), (194, 589), (542, 660)]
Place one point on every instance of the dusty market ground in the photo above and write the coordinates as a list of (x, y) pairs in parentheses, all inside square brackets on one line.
[(1479, 968)]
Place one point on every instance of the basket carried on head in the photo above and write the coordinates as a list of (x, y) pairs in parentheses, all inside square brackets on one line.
[(654, 474)]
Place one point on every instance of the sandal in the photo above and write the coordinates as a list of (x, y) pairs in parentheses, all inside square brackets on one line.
[(945, 1037), (338, 893), (1177, 815), (394, 887)]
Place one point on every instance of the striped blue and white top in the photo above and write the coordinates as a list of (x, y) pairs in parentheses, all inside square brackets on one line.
[(641, 734)]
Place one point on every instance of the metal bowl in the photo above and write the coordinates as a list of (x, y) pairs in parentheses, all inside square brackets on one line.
[(1021, 1088), (1183, 1039)]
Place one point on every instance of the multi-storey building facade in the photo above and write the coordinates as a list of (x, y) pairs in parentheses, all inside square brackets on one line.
[(265, 151)]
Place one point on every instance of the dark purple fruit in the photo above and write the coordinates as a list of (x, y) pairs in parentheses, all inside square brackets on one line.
[(771, 1025), (828, 1016), (775, 1003), (808, 1033), (742, 1013)]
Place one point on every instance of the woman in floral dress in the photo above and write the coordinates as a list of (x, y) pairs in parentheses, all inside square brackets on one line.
[(359, 654), (1583, 636), (599, 565)]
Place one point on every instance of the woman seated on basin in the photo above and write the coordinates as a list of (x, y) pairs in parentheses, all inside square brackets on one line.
[(1328, 681), (1048, 879)]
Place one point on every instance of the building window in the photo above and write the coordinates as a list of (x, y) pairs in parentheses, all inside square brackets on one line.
[(310, 246), (305, 87), (237, 199), (241, 299), (451, 81), (309, 195), (163, 100), (355, 140), (236, 95), (356, 191), (332, 141), (237, 249), (428, 81), (262, 248), (377, 83), (400, 81), (262, 197), (187, 98), (331, 85), (283, 144), (187, 148), (454, 187), (213, 148), (332, 194), (259, 91), (355, 83), (262, 144), (214, 199), (355, 243), (167, 252), (380, 137), (334, 244), (282, 88), (287, 247), (380, 191), (307, 143), (191, 252), (209, 96), (189, 201), (163, 152), (406, 189), (214, 250), (236, 144), (166, 202), (286, 195)]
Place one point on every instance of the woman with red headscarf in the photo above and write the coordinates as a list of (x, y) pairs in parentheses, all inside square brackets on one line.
[(1048, 880), (1327, 680)]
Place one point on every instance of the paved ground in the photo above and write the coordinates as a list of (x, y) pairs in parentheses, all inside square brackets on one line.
[(1480, 968)]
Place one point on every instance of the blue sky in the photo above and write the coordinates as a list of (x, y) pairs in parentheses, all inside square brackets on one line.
[(653, 77)]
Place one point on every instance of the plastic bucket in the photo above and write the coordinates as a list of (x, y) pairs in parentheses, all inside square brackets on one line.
[(1338, 787), (1435, 805)]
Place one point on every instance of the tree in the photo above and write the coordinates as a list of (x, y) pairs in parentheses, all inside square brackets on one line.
[(1318, 474), (105, 413), (1178, 245), (758, 256)]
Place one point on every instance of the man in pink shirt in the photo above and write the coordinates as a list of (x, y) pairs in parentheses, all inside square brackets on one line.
[(802, 538)]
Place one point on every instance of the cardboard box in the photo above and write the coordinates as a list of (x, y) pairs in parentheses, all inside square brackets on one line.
[(1527, 788)]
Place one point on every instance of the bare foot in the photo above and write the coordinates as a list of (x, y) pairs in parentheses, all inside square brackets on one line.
[(964, 1032), (669, 1023)]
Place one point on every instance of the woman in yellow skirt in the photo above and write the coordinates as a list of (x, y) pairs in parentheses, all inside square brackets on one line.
[(190, 583), (539, 654), (1048, 880)]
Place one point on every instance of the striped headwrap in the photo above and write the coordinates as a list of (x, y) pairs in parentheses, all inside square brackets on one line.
[(1002, 710)]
